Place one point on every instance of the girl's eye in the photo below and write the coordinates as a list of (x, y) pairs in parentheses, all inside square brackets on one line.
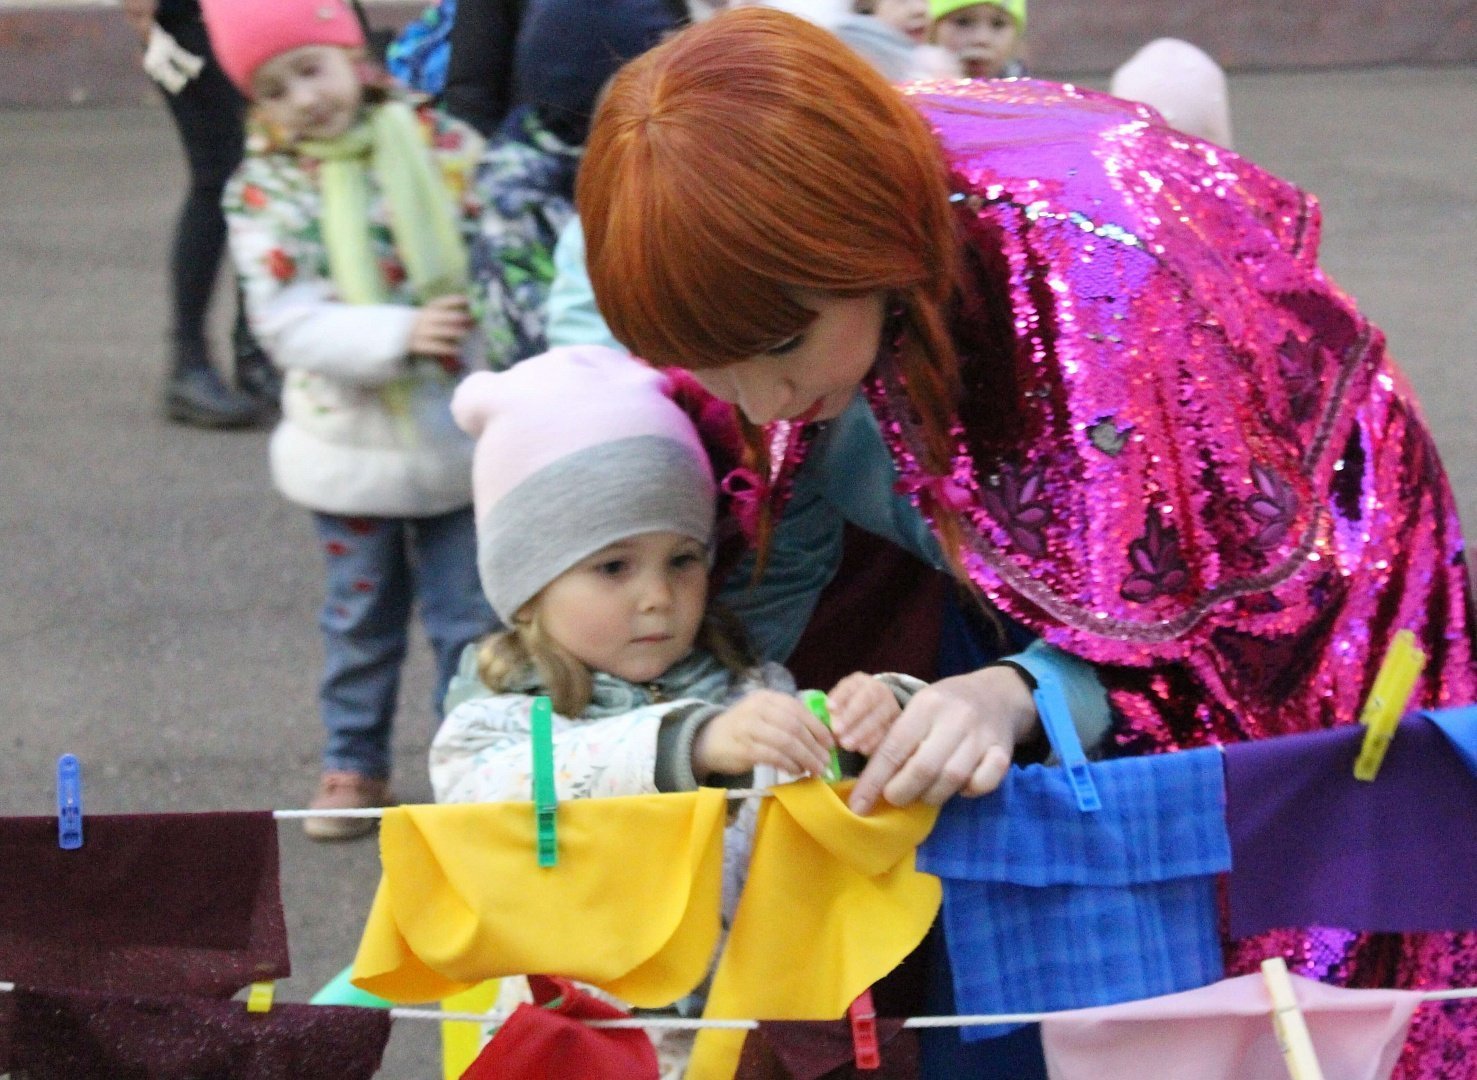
[(787, 346), (686, 560), (611, 567)]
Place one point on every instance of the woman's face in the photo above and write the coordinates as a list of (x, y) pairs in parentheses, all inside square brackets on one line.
[(813, 375)]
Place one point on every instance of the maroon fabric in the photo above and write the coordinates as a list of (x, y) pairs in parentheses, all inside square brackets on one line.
[(183, 903), (849, 632), (822, 1050), (67, 1035), (550, 1041)]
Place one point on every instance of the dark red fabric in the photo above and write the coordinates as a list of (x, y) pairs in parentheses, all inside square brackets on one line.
[(550, 1041), (881, 612), (184, 903), (822, 1050), (68, 1035)]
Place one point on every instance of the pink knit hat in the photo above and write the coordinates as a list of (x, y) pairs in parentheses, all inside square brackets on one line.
[(576, 449), (245, 34)]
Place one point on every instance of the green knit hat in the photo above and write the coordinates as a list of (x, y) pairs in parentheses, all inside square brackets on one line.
[(937, 9)]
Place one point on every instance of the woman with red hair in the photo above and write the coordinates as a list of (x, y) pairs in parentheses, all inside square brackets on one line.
[(1087, 364)]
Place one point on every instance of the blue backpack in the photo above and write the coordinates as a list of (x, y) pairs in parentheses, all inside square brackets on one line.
[(419, 54)]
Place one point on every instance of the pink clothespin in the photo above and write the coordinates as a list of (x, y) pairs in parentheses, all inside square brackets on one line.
[(863, 1016)]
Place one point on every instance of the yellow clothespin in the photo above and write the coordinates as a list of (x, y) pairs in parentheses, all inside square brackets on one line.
[(1393, 686), (1287, 1018), (259, 997)]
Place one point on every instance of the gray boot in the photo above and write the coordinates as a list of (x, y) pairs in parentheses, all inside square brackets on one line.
[(194, 394)]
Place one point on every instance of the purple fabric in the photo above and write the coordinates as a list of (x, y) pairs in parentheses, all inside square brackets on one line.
[(1312, 846), (49, 1035), (174, 903)]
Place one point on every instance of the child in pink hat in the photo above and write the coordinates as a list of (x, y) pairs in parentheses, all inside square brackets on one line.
[(595, 503), (350, 224)]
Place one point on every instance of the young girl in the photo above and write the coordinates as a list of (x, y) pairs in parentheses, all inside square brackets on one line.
[(595, 505), (986, 36), (349, 232)]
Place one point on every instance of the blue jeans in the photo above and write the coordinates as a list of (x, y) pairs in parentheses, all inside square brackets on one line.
[(377, 569)]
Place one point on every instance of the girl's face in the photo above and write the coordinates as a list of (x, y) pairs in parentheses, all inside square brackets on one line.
[(984, 38), (310, 93), (632, 609), (908, 16), (812, 376)]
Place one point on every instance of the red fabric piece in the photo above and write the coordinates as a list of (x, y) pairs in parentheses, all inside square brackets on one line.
[(188, 903), (549, 1041), (68, 1035), (822, 1050)]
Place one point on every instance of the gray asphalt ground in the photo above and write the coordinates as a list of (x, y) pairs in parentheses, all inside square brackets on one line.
[(158, 599)]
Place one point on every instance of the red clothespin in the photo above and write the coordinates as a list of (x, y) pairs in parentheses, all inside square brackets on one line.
[(863, 1016)]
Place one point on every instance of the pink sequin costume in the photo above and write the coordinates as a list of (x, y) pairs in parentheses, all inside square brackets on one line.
[(1196, 467)]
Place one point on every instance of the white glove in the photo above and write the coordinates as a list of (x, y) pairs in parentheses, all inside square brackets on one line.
[(168, 63)]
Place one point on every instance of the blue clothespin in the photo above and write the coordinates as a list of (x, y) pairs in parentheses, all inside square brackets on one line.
[(68, 802), (545, 795), (1056, 718)]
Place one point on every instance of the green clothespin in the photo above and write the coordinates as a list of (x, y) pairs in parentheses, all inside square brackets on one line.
[(545, 797), (815, 701)]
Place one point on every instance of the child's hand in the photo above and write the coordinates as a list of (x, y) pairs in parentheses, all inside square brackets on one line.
[(440, 327), (765, 728), (862, 712)]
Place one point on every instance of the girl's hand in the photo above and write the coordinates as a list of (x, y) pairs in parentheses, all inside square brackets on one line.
[(765, 728), (441, 325), (862, 712), (955, 736)]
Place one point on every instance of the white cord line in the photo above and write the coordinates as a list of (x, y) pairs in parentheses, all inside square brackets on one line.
[(694, 1023), (379, 811)]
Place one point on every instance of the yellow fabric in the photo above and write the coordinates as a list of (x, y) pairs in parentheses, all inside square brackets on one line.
[(461, 1040), (631, 906), (833, 903)]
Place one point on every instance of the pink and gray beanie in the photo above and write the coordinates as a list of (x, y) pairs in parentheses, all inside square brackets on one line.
[(576, 449)]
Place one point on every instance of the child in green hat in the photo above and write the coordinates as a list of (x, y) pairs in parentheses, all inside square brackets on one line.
[(987, 38)]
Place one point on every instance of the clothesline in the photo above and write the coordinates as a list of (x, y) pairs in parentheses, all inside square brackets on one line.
[(379, 811), (684, 1023)]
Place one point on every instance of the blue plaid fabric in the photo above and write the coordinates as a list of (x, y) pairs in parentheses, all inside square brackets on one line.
[(1047, 907)]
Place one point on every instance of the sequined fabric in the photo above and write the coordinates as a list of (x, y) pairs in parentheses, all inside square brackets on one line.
[(1189, 458)]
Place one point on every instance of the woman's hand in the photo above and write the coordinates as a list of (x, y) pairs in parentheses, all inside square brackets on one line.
[(765, 728), (440, 327), (955, 736), (862, 712)]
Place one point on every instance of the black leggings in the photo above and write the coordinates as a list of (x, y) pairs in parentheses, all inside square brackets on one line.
[(209, 114)]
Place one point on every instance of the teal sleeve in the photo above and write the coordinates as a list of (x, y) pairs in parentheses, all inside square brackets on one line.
[(466, 684), (804, 552), (573, 317), (1086, 697)]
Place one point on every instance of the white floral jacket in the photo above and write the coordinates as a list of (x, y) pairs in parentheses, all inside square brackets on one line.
[(483, 752), (345, 445)]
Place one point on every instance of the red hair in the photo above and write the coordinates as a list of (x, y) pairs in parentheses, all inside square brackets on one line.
[(752, 155)]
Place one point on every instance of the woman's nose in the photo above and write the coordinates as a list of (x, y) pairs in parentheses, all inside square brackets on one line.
[(763, 400)]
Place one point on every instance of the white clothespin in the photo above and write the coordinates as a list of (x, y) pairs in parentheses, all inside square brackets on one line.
[(1287, 1018)]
